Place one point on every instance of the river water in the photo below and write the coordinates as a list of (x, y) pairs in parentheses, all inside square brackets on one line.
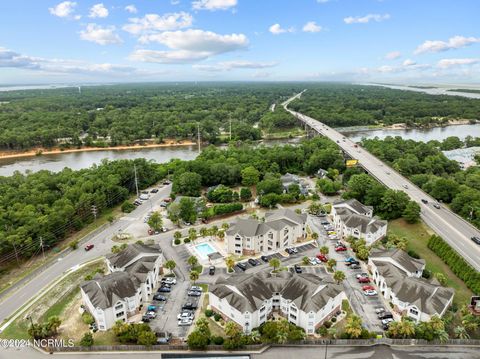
[(79, 160)]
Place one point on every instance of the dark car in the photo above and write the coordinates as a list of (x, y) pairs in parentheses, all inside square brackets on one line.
[(242, 266), (355, 266), (211, 270), (297, 268), (424, 201), (189, 306), (163, 337), (164, 290), (264, 258), (476, 240), (253, 262), (159, 297), (155, 190), (88, 247), (385, 315), (145, 318), (166, 182)]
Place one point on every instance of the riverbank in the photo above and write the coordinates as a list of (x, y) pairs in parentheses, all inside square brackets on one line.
[(56, 151)]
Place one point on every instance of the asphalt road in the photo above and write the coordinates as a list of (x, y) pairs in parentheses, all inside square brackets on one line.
[(453, 229), (102, 242)]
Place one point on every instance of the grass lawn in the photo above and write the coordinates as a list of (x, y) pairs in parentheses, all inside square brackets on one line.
[(417, 235)]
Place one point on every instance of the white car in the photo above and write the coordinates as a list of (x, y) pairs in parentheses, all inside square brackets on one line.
[(169, 280), (313, 261), (379, 310), (360, 275), (370, 292), (151, 314), (185, 315), (185, 322), (386, 321), (196, 288)]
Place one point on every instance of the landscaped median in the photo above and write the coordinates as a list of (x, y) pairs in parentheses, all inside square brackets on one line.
[(61, 300)]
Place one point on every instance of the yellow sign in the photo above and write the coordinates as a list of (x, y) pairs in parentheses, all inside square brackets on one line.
[(351, 163)]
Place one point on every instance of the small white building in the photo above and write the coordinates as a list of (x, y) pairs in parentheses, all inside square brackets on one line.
[(352, 218), (399, 279), (305, 300), (280, 230), (134, 273)]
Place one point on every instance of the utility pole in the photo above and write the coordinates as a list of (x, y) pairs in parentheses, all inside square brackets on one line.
[(94, 211), (41, 245), (198, 136), (230, 129), (136, 180), (16, 254)]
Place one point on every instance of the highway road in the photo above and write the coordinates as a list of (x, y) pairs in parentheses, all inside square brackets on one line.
[(452, 228), (102, 245)]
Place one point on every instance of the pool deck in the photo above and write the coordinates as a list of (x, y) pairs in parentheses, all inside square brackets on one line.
[(218, 246)]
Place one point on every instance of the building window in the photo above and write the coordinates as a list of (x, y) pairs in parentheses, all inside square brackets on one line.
[(119, 306), (293, 316), (120, 314), (413, 311)]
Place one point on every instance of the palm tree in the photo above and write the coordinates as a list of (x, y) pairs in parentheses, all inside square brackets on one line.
[(192, 260), (229, 262), (221, 235), (442, 335), (213, 231), (177, 235), (232, 330), (332, 331), (394, 330), (225, 226), (282, 337), (461, 332), (305, 260), (53, 323), (275, 263), (204, 232), (324, 250), (436, 323), (255, 336), (353, 327), (339, 276), (331, 263), (470, 322), (194, 276), (170, 265), (192, 234), (315, 235), (406, 328)]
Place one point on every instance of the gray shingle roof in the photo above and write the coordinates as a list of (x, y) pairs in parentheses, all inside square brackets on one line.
[(357, 206), (363, 223), (401, 257), (122, 258), (288, 214), (247, 292), (429, 298), (106, 291)]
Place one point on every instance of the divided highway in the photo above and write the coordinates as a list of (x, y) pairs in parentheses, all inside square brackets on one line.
[(452, 228)]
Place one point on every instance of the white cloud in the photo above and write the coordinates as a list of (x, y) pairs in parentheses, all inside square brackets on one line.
[(366, 19), (322, 1), (168, 57), (455, 42), (132, 9), (393, 55), (236, 64), (100, 35), (98, 10), (311, 26), (408, 62), (174, 2), (64, 9), (154, 22), (448, 63), (213, 5), (276, 29)]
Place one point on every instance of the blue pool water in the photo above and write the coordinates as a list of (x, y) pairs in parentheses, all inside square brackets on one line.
[(204, 249)]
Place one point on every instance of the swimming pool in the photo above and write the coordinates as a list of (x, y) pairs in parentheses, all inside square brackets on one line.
[(204, 249)]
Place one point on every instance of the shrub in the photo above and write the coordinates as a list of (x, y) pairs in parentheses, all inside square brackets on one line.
[(218, 340), (87, 340), (413, 254), (227, 208), (217, 317), (323, 331), (327, 324), (426, 273), (186, 240), (177, 241), (73, 244), (127, 207), (334, 319), (457, 264), (209, 313), (88, 318)]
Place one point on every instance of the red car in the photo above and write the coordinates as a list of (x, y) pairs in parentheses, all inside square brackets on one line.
[(363, 280), (322, 257), (368, 287), (340, 249), (88, 247)]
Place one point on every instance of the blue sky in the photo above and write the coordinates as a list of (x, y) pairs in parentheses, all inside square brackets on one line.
[(413, 41)]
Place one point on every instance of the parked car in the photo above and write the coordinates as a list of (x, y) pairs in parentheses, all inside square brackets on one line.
[(355, 263), (169, 280), (370, 293), (164, 290), (297, 268), (312, 261), (264, 258), (185, 315), (361, 275), (436, 205), (355, 266), (387, 321), (194, 293), (151, 314), (476, 240), (340, 249), (350, 259), (163, 337), (424, 201), (185, 322), (242, 266), (159, 297), (384, 315), (363, 280), (322, 257), (155, 190), (325, 223), (211, 270), (379, 310), (145, 318), (189, 306), (368, 287), (253, 262), (88, 247), (166, 182), (196, 288), (152, 308)]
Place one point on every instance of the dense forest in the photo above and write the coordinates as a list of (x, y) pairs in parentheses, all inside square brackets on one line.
[(50, 206), (354, 105), (125, 114), (429, 169)]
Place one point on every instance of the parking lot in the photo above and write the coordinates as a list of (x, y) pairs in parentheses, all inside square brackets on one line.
[(302, 250)]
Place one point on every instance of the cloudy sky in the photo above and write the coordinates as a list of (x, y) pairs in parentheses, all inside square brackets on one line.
[(52, 41)]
